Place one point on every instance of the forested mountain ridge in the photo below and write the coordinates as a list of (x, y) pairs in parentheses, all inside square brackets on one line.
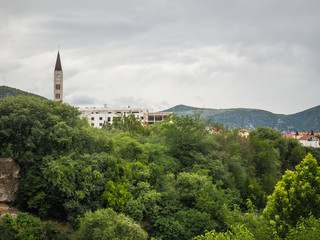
[(249, 119), (6, 91)]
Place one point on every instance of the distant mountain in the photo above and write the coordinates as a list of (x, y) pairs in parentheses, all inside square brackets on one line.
[(252, 118), (13, 92)]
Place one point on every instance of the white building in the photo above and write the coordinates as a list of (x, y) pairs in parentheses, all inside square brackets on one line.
[(99, 116), (244, 133), (309, 141)]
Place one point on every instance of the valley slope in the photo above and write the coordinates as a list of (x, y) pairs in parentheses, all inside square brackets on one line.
[(252, 118), (6, 91)]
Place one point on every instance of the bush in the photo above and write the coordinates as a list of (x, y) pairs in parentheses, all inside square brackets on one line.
[(106, 224)]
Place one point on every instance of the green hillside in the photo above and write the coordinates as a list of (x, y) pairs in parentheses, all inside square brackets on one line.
[(308, 119), (6, 91), (172, 180), (252, 118)]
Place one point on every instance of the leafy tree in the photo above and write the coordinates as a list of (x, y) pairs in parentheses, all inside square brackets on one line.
[(187, 138), (27, 124), (147, 200), (129, 123), (314, 151), (69, 186), (107, 224), (25, 226), (184, 224), (116, 195), (255, 193), (188, 185), (8, 227), (306, 229), (151, 201), (6, 151), (239, 232), (158, 154), (252, 222), (296, 155), (295, 196), (290, 150), (265, 159), (129, 149), (216, 202), (135, 209), (80, 182)]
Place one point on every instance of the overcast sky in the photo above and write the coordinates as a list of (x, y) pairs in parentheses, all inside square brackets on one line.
[(159, 53)]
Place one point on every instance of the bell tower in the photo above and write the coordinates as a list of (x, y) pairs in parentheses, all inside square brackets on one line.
[(58, 81)]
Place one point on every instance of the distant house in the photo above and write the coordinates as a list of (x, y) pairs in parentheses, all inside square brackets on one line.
[(243, 133), (305, 139), (213, 130), (309, 141), (290, 135), (302, 134)]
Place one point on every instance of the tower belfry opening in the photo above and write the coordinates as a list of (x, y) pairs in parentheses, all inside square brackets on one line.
[(58, 81)]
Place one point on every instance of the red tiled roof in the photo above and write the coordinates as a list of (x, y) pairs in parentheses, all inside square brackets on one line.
[(243, 130), (144, 124), (215, 130), (305, 137)]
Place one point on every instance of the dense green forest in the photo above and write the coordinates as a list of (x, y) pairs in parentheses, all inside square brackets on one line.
[(172, 180)]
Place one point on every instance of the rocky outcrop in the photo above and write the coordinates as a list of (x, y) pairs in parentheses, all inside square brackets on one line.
[(9, 172), (4, 209)]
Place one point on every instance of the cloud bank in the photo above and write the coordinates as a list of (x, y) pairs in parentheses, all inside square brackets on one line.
[(151, 53)]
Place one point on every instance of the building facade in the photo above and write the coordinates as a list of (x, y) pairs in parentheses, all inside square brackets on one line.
[(309, 141), (58, 81), (100, 116), (305, 139), (153, 117)]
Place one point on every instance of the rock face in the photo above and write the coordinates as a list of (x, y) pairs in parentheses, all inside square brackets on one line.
[(4, 209), (9, 172)]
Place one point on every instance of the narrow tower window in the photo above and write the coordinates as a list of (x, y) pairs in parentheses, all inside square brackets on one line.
[(57, 86)]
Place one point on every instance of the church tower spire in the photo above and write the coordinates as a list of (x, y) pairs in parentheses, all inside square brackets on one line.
[(58, 80)]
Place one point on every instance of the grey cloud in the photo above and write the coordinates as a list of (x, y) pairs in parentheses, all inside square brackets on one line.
[(80, 100), (207, 53)]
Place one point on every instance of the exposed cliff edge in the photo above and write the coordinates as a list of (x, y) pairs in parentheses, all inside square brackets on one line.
[(9, 172)]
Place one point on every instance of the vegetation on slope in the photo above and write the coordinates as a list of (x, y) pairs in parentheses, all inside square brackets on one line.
[(13, 92), (171, 180), (304, 121)]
